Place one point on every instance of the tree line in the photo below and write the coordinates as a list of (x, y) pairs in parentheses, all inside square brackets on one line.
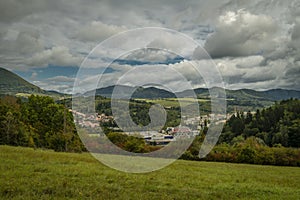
[(278, 125), (37, 122), (268, 136)]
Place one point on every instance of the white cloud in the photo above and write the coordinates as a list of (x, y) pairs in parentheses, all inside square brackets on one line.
[(242, 34), (61, 79), (65, 88), (97, 31), (58, 56), (150, 55), (172, 42)]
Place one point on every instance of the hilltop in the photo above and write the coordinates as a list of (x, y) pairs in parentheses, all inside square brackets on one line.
[(203, 93), (12, 84)]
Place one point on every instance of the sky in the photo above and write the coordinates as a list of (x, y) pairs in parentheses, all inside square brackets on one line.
[(254, 44)]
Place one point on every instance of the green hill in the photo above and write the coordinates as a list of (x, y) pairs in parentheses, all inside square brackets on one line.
[(137, 92), (202, 93), (242, 99), (12, 84), (248, 94), (37, 174)]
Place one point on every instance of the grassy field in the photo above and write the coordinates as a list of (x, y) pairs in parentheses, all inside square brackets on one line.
[(37, 174), (174, 102)]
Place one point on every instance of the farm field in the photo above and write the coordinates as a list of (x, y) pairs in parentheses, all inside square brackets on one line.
[(42, 174), (174, 102)]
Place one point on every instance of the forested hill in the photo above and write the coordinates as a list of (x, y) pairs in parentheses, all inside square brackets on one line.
[(138, 92), (276, 125), (242, 99), (248, 94), (12, 84), (269, 136)]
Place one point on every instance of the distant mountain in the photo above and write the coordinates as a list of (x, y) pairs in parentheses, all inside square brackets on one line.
[(107, 91), (280, 94), (152, 92), (12, 84), (138, 92), (268, 95), (248, 94), (203, 93)]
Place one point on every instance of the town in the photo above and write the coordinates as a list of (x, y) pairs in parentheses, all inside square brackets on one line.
[(190, 127)]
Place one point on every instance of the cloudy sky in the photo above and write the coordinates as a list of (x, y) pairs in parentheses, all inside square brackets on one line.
[(254, 44)]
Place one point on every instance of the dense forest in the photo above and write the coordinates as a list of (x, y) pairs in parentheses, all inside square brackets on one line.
[(276, 125), (268, 136), (37, 122)]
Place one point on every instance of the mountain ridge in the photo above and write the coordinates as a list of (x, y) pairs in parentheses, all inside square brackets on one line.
[(12, 84), (153, 92)]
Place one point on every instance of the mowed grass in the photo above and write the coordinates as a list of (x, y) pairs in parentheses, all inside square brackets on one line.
[(38, 174)]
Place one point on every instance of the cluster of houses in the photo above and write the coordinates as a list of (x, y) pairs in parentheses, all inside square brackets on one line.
[(191, 128), (92, 120), (84, 120)]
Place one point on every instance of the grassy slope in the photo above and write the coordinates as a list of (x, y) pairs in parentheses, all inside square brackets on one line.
[(11, 83), (36, 174)]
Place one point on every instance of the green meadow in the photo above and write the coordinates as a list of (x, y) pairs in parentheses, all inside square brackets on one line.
[(174, 102), (42, 174)]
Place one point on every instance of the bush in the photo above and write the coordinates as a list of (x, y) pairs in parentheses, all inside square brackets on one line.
[(247, 155), (253, 151)]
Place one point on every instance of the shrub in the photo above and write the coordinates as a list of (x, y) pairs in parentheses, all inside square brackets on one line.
[(247, 155)]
